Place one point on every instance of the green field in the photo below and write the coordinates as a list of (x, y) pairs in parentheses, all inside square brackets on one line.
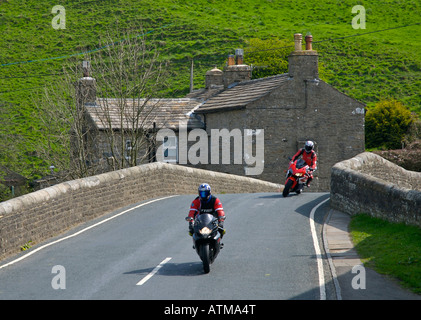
[(381, 61), (389, 248)]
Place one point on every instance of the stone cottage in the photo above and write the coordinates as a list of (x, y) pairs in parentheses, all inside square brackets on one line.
[(250, 127), (287, 109)]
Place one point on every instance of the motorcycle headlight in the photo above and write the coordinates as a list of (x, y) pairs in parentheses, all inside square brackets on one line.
[(299, 174), (205, 231)]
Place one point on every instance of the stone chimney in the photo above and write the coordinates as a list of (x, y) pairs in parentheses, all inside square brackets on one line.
[(236, 70), (214, 78), (86, 87), (303, 64)]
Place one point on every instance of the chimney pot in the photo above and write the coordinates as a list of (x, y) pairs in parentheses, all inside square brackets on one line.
[(86, 66), (236, 70), (239, 60), (239, 56), (298, 38), (231, 60), (309, 39), (239, 52)]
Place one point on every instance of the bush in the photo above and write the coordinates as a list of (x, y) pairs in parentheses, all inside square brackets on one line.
[(387, 124), (268, 57)]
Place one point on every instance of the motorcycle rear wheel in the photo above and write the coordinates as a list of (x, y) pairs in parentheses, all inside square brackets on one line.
[(287, 188), (204, 254)]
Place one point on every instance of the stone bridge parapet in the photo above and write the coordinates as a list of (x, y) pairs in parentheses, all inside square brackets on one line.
[(368, 183)]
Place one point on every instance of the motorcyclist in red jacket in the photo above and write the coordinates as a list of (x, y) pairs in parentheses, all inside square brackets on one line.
[(207, 203), (310, 157)]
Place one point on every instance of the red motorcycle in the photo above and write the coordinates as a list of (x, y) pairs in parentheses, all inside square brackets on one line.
[(296, 177)]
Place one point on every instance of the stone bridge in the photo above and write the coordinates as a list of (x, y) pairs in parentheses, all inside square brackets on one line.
[(365, 183), (48, 212)]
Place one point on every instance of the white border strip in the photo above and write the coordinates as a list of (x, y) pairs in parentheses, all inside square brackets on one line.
[(81, 231), (151, 274), (318, 252)]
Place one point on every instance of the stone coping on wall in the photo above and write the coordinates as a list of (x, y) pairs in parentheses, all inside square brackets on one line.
[(45, 213), (368, 183)]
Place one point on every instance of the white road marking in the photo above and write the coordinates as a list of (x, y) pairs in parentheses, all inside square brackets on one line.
[(151, 274), (81, 231), (318, 252)]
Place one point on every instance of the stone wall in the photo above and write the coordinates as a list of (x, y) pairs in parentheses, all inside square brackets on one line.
[(368, 183), (48, 212)]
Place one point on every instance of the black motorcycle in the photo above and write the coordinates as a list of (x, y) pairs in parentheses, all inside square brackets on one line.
[(206, 238)]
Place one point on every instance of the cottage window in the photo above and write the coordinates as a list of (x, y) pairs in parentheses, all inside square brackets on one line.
[(170, 149), (128, 150)]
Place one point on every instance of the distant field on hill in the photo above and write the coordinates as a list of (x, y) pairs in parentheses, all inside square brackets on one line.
[(383, 60)]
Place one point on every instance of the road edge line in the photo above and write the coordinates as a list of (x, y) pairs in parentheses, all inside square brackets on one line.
[(320, 270), (80, 231)]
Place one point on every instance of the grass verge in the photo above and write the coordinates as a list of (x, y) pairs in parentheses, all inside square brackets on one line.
[(392, 249)]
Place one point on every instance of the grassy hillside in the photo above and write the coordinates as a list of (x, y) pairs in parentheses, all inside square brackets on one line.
[(364, 63)]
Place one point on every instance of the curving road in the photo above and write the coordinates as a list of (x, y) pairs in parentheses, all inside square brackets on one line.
[(144, 252)]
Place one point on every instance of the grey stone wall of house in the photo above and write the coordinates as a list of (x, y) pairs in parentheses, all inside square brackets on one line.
[(302, 108), (368, 183), (101, 150)]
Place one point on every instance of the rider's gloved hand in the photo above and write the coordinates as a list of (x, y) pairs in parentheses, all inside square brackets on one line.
[(221, 227), (191, 231)]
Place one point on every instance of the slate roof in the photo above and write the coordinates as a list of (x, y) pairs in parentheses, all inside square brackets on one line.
[(238, 95), (164, 113)]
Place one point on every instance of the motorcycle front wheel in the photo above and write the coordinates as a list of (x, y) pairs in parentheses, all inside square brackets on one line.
[(204, 254), (287, 188)]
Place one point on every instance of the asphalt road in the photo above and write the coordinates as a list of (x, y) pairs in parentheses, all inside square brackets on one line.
[(269, 254)]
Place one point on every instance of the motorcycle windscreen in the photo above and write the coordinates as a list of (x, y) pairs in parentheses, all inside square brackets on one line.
[(204, 219), (300, 163)]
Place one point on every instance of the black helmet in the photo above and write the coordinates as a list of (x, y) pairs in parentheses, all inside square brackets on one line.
[(309, 145), (204, 191)]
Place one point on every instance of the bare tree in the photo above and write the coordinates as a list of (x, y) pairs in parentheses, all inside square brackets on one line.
[(129, 76), (10, 154), (67, 140), (80, 128)]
